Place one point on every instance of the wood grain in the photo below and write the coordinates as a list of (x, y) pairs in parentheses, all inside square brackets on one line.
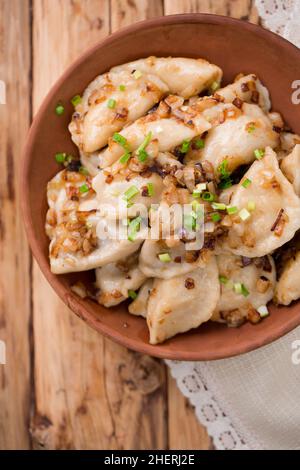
[(14, 253)]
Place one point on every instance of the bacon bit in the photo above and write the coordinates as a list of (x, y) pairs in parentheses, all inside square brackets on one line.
[(277, 129), (279, 223), (177, 259), (255, 97), (189, 283), (109, 179), (191, 256), (244, 87), (121, 115), (146, 173), (219, 98), (238, 102), (253, 316), (262, 284)]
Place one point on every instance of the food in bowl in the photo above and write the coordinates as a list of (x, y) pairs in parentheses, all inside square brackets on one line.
[(160, 134)]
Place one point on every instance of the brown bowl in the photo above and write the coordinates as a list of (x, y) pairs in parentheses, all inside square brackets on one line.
[(235, 46)]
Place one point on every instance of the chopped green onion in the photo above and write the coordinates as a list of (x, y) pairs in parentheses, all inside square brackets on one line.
[(132, 294), (259, 153), (207, 196), (120, 139), (250, 127), (125, 157), (246, 183), (214, 86), (122, 87), (231, 210), (150, 189), (196, 193), (263, 311), (141, 152), (197, 207), (59, 109), (84, 188), (165, 257), (223, 279), (219, 206), (225, 183), (130, 193), (185, 146), (76, 100), (201, 186), (237, 287), (60, 157), (137, 74), (199, 144), (251, 206), (215, 217), (245, 291), (244, 214), (83, 171), (223, 169), (189, 221), (111, 104), (133, 228)]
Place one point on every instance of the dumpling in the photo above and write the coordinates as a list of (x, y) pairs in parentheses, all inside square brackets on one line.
[(242, 132), (168, 131), (178, 259), (90, 161), (109, 103), (115, 280), (247, 88), (112, 196), (140, 304), (197, 295), (290, 167), (270, 210), (288, 285), (183, 76), (256, 276)]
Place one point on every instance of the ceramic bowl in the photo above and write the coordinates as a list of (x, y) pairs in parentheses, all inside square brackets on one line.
[(235, 46)]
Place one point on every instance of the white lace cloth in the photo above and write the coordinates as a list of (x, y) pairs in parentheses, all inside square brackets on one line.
[(251, 401)]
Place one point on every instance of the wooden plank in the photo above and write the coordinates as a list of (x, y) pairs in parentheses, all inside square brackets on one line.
[(125, 12), (90, 393), (14, 252), (243, 9)]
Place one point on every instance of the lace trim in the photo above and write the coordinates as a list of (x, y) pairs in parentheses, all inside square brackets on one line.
[(192, 382), (282, 17)]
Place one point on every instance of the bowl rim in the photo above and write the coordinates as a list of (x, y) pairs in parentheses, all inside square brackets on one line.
[(75, 304)]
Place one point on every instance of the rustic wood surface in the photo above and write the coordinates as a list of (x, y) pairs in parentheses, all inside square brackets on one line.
[(65, 386)]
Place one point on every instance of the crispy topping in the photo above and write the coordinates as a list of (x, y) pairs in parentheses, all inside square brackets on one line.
[(189, 283)]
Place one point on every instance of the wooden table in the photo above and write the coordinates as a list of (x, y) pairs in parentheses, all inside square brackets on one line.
[(65, 386)]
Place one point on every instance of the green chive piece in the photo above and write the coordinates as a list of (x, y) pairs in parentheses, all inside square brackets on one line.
[(132, 294), (223, 279), (137, 74), (60, 157), (250, 128), (207, 196), (111, 104), (215, 217), (263, 311), (223, 169), (199, 144), (214, 86), (76, 100), (122, 87), (231, 210), (59, 109), (237, 287), (84, 188), (219, 206), (185, 146), (141, 152), (246, 183), (165, 257), (150, 189), (189, 221), (196, 193), (224, 184), (133, 228), (125, 157), (83, 171), (130, 193), (259, 153)]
